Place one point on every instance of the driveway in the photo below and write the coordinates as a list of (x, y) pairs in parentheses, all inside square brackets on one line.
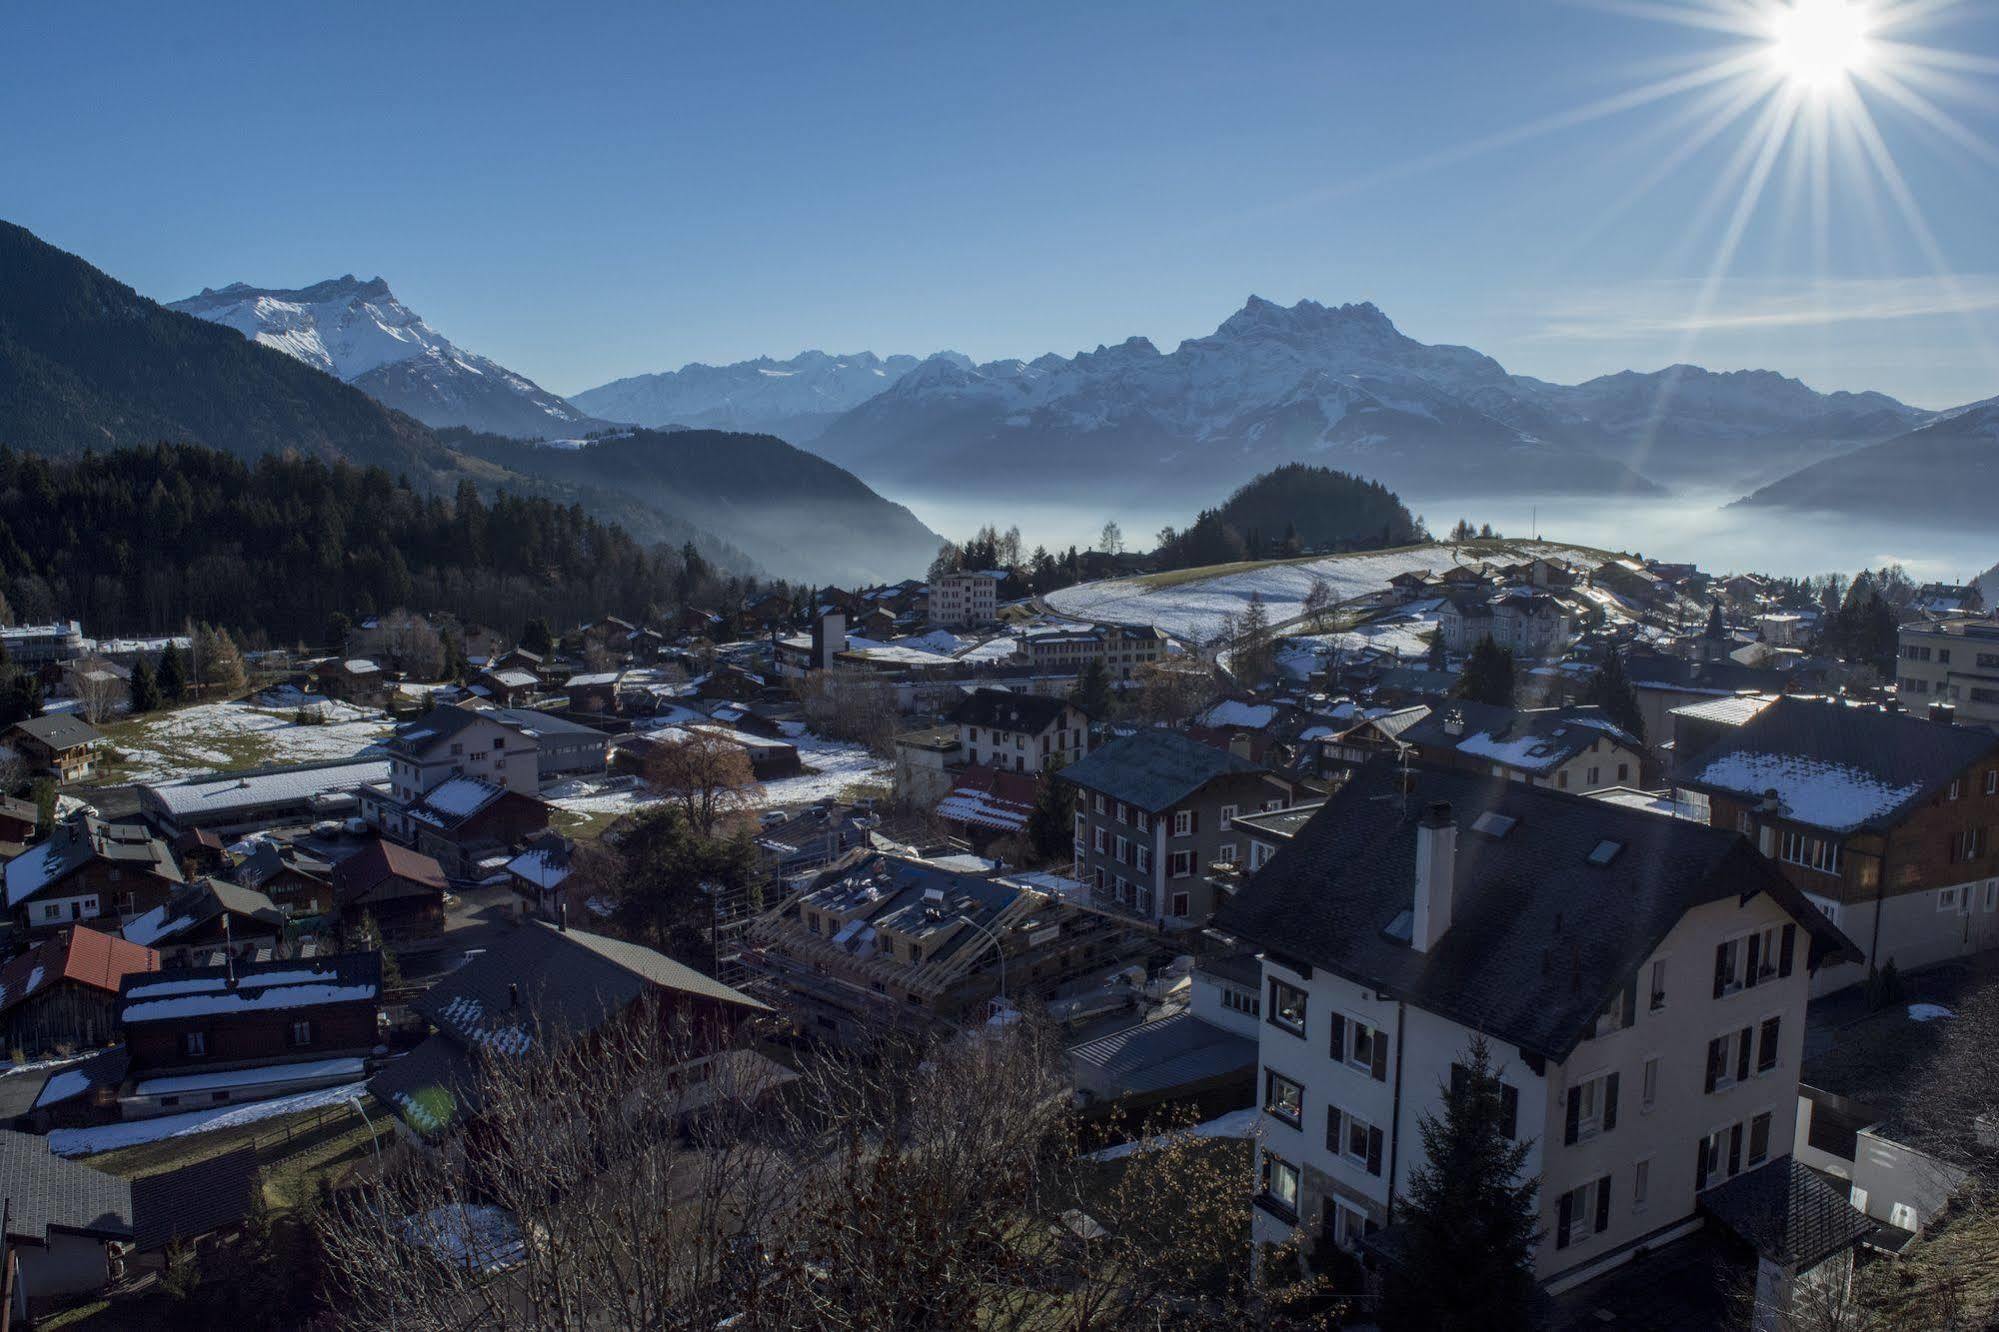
[(476, 918)]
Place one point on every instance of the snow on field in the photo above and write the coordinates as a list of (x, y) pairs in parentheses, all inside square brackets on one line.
[(1401, 636), (110, 1137), (840, 765), (211, 737), (1193, 608)]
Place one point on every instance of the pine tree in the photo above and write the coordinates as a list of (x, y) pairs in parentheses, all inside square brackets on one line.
[(1488, 675), (1093, 691), (536, 638), (1610, 689), (173, 674), (1051, 823), (145, 689), (1469, 1218)]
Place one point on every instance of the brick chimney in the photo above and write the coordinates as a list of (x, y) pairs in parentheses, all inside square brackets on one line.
[(1436, 866)]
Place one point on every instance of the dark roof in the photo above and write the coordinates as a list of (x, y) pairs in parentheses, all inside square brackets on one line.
[(1160, 1056), (193, 1200), (447, 719), (1278, 823), (106, 1068), (374, 864), (1154, 768), (60, 730), (1797, 744), (1535, 740), (1787, 1213), (225, 990), (1244, 969), (1541, 939), (44, 1192), (269, 860), (1658, 671), (1007, 711)]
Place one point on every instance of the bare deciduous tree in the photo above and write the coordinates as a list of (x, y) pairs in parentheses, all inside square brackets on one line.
[(853, 705), (705, 774), (99, 690)]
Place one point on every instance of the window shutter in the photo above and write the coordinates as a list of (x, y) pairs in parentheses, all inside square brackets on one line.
[(1193, 822), (1700, 1165), (1631, 1001), (1784, 948), (1713, 1063), (1339, 1037), (1380, 1069), (1374, 1151), (1333, 1129), (1610, 1103), (1575, 1116), (1509, 1109), (1742, 1054), (1766, 1054), (1564, 1218), (1603, 1204), (1735, 1150), (1755, 953), (1720, 969)]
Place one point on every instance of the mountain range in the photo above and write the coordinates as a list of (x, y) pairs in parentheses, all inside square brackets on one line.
[(88, 363), (1945, 471), (359, 332), (794, 399)]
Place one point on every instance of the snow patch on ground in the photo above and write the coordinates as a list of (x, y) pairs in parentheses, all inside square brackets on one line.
[(1928, 1012), (110, 1137), (471, 1235), (839, 764), (1234, 1124), (212, 737)]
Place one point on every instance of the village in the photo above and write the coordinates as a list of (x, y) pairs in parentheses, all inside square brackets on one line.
[(1269, 847)]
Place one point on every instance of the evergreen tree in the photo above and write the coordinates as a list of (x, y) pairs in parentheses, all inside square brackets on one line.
[(337, 627), (1051, 823), (221, 661), (536, 638), (1436, 656), (1469, 1217), (1093, 691), (1610, 689), (145, 689), (1715, 627), (21, 698), (173, 674), (1488, 675), (1250, 656)]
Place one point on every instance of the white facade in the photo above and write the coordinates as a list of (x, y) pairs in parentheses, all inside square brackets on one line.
[(965, 598), (1954, 662)]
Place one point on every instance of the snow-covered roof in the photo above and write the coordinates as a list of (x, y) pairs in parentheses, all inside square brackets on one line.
[(543, 868), (273, 786), (251, 1077), (300, 984), (1234, 712), (1815, 791), (513, 679)]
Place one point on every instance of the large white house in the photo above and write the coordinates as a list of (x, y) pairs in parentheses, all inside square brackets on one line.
[(1641, 984)]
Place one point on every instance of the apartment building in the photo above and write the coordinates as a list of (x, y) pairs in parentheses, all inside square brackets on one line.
[(1124, 649), (1155, 814), (1570, 749), (1641, 983), (966, 597), (1955, 662), (1889, 822), (512, 749), (1019, 732)]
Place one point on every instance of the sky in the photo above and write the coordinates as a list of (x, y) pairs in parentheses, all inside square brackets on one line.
[(588, 192)]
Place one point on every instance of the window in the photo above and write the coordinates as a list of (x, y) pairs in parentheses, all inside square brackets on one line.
[(1228, 817), (1966, 844), (193, 1043), (1279, 1181), (1649, 1084), (1123, 812), (1766, 1045), (1179, 864), (1099, 839), (1182, 905), (1123, 891), (1641, 1184), (1142, 858), (1592, 1108), (1751, 959), (1992, 782), (1360, 1045), (1183, 823), (1658, 984), (1100, 802), (1759, 1139), (1241, 1001), (1709, 1158), (301, 1032), (1283, 1099), (1226, 853), (1947, 898), (1287, 1006), (1141, 820), (1816, 853), (1591, 777), (1259, 855), (1583, 1212), (1956, 789), (1728, 1060), (1354, 1140), (1123, 853), (1350, 1225)]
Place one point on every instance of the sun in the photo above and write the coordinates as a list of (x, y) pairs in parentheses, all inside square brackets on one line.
[(1817, 44)]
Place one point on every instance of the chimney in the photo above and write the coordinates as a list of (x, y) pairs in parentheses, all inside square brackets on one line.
[(1943, 712), (1436, 864), (1454, 722), (513, 994), (1239, 745)]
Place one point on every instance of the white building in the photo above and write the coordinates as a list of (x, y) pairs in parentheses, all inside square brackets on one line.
[(1954, 662), (966, 597)]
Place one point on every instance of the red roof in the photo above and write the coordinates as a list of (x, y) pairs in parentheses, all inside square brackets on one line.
[(79, 954), (990, 797)]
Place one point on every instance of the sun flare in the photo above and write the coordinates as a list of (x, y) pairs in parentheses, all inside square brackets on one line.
[(1816, 44)]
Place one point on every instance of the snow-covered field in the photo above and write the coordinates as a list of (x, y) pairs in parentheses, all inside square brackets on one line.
[(1193, 608), (212, 737), (110, 1137), (840, 765)]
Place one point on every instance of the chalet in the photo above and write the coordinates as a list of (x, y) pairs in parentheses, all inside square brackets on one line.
[(693, 622), (539, 872), (464, 823), (1409, 585), (1243, 725), (201, 1036), (514, 748), (200, 851), (595, 692), (57, 745), (300, 884), (19, 821), (63, 992), (1024, 732), (506, 686), (90, 871), (767, 612), (1601, 953), (1370, 737), (519, 659), (357, 680), (608, 638), (876, 622), (61, 1223), (1885, 821), (402, 889), (1570, 749), (1154, 814), (209, 916), (986, 803), (544, 983)]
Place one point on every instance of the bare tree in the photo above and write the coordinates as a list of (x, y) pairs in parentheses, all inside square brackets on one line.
[(855, 705), (1173, 690), (703, 772), (99, 689), (1111, 540)]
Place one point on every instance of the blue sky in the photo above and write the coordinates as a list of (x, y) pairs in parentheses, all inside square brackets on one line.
[(585, 192)]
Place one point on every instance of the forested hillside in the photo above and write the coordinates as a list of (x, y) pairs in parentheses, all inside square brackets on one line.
[(140, 540), (1286, 511)]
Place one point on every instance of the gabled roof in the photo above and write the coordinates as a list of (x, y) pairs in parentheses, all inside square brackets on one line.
[(77, 953), (251, 987), (199, 903), (1540, 939), (454, 800), (74, 843), (60, 730), (1787, 1213), (269, 860), (990, 798), (1537, 740), (43, 1192), (1836, 767), (1006, 711), (1154, 768), (368, 868)]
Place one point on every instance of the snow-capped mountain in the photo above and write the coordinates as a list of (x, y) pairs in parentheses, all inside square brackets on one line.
[(359, 332), (1342, 386), (792, 399)]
